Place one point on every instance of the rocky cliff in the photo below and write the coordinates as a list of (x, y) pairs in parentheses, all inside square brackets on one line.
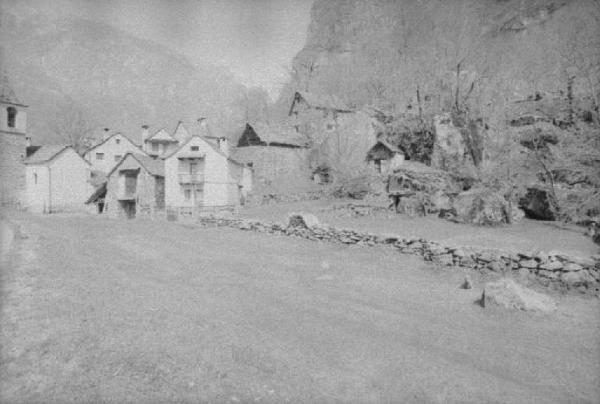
[(491, 54)]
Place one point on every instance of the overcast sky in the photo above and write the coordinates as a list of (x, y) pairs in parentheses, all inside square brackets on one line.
[(256, 39)]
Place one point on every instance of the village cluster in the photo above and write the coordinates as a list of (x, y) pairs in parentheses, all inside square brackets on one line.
[(188, 169)]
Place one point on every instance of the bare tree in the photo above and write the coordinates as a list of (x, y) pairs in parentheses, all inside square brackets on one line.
[(73, 126)]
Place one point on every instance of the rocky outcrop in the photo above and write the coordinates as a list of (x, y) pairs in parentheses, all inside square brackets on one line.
[(538, 203), (508, 294), (482, 207)]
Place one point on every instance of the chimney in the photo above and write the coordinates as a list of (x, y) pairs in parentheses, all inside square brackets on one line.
[(105, 134), (144, 136), (224, 146), (203, 127)]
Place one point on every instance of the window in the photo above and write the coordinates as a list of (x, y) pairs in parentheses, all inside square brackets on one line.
[(99, 156), (187, 194), (12, 116), (117, 141), (118, 157), (35, 178), (155, 147), (194, 148), (330, 126)]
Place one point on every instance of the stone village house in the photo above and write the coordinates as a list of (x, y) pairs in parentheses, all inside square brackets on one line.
[(136, 182), (274, 152), (106, 154), (340, 136), (57, 179), (198, 175), (384, 157)]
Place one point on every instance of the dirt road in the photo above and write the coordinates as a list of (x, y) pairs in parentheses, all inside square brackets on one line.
[(100, 310)]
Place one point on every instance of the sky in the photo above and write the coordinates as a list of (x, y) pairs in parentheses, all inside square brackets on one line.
[(255, 39)]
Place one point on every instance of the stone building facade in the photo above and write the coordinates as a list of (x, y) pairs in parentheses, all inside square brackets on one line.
[(137, 181), (13, 132)]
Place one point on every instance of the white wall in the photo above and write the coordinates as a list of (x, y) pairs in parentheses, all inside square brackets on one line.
[(118, 145), (217, 184), (37, 188), (69, 176), (62, 183)]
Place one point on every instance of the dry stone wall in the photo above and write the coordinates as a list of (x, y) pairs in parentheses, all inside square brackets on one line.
[(547, 267)]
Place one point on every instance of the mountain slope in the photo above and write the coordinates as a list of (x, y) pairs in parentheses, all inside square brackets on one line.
[(118, 80)]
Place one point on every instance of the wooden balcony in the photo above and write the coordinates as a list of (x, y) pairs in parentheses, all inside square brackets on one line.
[(187, 178)]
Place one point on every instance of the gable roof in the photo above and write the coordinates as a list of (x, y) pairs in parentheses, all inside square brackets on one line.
[(320, 101), (7, 95), (181, 133), (389, 146), (153, 166), (110, 137), (46, 154), (278, 135), (212, 146), (163, 135)]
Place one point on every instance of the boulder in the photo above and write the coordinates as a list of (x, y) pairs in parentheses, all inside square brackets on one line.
[(302, 220), (551, 266), (577, 278), (508, 294), (538, 203), (481, 207), (530, 264), (467, 284)]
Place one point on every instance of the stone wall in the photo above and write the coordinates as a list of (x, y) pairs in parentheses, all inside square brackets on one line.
[(271, 162), (548, 268), (12, 168)]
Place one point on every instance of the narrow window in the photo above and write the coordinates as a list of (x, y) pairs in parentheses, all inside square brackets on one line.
[(188, 194), (194, 148), (99, 156), (35, 178), (118, 157), (12, 116)]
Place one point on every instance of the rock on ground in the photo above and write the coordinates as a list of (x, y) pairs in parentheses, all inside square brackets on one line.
[(510, 295), (302, 220), (481, 207)]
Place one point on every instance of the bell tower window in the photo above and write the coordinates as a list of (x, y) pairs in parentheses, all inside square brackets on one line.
[(12, 116)]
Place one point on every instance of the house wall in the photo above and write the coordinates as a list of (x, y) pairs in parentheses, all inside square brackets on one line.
[(115, 187), (12, 168), (218, 185), (271, 162), (38, 188), (62, 184), (69, 181), (116, 146)]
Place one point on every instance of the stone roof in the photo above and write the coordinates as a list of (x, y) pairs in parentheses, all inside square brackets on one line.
[(324, 101), (391, 147), (279, 135), (153, 166), (162, 135), (45, 154), (7, 95)]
